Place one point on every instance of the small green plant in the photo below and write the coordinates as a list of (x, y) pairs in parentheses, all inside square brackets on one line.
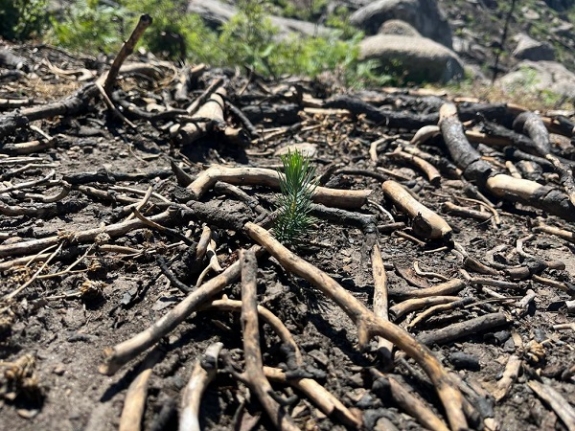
[(297, 185)]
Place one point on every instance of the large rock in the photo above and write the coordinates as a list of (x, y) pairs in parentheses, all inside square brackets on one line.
[(424, 15), (420, 59), (531, 49), (544, 76), (564, 29), (398, 28), (216, 13)]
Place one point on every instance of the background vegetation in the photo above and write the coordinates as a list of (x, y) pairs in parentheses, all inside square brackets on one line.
[(249, 38)]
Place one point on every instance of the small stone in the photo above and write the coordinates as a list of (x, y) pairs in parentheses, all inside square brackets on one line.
[(59, 369), (305, 149)]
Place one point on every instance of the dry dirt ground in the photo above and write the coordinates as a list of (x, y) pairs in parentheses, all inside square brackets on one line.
[(68, 295)]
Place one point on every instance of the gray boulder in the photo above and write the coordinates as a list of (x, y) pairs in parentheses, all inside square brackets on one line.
[(565, 29), (424, 15), (419, 59), (398, 28), (548, 76), (531, 49)]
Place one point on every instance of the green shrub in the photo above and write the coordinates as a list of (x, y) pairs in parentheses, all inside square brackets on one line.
[(90, 27), (307, 10), (249, 38), (174, 32), (22, 19)]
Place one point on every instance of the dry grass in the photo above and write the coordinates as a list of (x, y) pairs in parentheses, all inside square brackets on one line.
[(52, 90)]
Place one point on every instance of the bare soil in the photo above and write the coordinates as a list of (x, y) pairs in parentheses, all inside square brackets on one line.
[(54, 332)]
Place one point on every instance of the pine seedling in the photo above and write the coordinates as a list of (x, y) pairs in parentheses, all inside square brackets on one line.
[(297, 183)]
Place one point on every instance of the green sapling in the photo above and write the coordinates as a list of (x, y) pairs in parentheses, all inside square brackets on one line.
[(297, 183)]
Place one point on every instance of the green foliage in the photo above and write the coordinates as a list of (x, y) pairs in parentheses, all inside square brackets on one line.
[(90, 26), (369, 72), (339, 19), (297, 185), (22, 19), (306, 10), (175, 33), (249, 37)]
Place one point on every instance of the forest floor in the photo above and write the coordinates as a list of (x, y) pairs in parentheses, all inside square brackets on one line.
[(82, 272)]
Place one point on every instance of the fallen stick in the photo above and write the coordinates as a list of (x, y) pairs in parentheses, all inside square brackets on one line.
[(209, 114), (253, 374), (560, 405), (368, 325), (438, 308), (320, 396), (447, 288), (108, 79), (509, 377), (448, 169), (326, 402), (271, 319), (117, 356), (135, 401), (477, 170), (426, 223), (424, 134), (114, 230), (409, 403), (404, 307), (205, 369), (432, 174), (380, 302), (457, 210), (565, 287), (74, 104), (270, 178), (552, 230), (462, 329), (201, 100), (532, 125)]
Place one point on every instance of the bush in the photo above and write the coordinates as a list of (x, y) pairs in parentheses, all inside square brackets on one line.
[(249, 38), (90, 26), (22, 19)]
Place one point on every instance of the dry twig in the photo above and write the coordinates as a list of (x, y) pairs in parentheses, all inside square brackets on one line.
[(135, 401), (368, 325), (120, 354), (271, 178), (254, 375), (205, 369)]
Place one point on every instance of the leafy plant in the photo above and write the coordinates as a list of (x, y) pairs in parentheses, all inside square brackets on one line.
[(249, 37), (297, 185), (307, 10), (90, 26), (22, 19), (176, 33)]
